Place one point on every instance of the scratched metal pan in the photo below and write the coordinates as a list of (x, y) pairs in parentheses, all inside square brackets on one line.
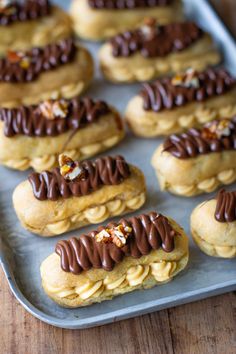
[(21, 253)]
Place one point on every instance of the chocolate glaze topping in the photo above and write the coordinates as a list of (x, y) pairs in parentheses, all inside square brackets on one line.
[(127, 4), (40, 60), (149, 232), (103, 171), (226, 206), (200, 141), (30, 120), (156, 41), (24, 11), (163, 94)]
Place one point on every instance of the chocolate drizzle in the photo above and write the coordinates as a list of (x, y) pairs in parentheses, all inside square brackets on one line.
[(162, 94), (24, 11), (149, 232), (156, 41), (226, 206), (30, 120), (103, 171), (195, 142), (127, 4), (40, 60)]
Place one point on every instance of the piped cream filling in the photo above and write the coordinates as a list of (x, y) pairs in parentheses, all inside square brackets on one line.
[(47, 162), (97, 214), (135, 276), (206, 186)]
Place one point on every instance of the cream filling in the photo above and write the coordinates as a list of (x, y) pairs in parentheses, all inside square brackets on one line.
[(135, 276), (211, 249), (199, 117), (47, 162), (97, 214), (206, 186)]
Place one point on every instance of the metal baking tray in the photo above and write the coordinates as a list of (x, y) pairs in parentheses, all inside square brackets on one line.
[(21, 253)]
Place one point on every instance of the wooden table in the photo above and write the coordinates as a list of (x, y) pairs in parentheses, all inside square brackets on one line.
[(203, 327)]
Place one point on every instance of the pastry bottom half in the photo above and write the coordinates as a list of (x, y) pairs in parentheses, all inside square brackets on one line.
[(97, 285), (214, 238), (193, 176), (41, 153), (137, 68), (49, 218), (151, 124), (98, 24), (23, 35), (67, 81)]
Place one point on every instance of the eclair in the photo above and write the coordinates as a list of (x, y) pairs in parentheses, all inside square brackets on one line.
[(34, 136), (97, 20), (61, 69), (78, 194), (31, 23), (155, 50), (135, 253), (186, 100), (199, 160), (213, 225)]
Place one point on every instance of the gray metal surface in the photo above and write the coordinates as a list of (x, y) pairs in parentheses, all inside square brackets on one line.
[(21, 253)]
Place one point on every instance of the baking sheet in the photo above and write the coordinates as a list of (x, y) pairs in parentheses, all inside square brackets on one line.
[(21, 253)]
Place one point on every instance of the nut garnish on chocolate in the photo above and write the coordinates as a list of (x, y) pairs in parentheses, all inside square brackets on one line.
[(226, 206), (12, 11), (184, 88), (78, 178), (52, 117), (215, 136), (145, 233)]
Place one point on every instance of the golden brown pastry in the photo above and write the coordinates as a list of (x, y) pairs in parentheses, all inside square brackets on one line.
[(34, 136), (135, 253), (199, 160), (213, 225), (61, 69), (172, 105), (77, 194), (97, 20), (151, 51), (31, 23)]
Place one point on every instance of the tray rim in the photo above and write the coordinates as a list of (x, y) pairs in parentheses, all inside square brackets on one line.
[(136, 310)]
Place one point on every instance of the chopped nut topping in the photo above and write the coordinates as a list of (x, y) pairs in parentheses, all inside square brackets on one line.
[(150, 28), (54, 109), (117, 235), (19, 57), (217, 129), (69, 169), (187, 79)]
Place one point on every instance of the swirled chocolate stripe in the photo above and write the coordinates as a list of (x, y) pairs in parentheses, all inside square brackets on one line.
[(103, 171), (31, 121), (127, 4), (163, 94), (149, 232), (26, 67), (202, 141), (226, 206), (156, 41), (24, 11)]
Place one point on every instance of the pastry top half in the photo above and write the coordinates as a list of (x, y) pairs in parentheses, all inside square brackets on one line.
[(54, 117), (170, 93), (214, 137), (132, 238), (215, 220), (21, 67), (127, 4), (152, 40)]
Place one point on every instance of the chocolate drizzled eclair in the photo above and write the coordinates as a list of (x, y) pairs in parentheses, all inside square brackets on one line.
[(78, 193), (134, 253), (213, 225)]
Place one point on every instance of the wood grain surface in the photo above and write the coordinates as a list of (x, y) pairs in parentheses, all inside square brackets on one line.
[(203, 327)]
